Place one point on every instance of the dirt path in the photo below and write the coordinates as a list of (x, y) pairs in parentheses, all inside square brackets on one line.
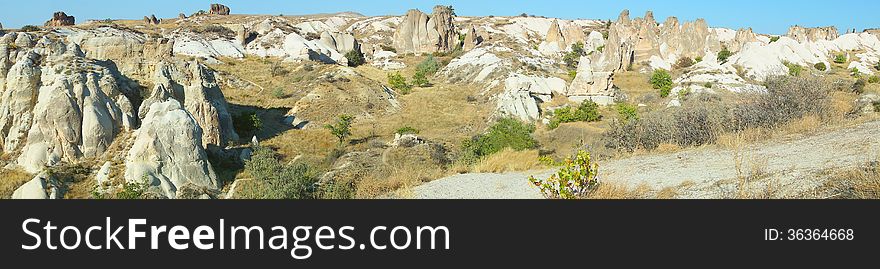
[(785, 165)]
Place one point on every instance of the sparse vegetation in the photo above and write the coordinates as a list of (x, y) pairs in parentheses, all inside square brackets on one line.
[(572, 57), (30, 28), (342, 128), (11, 180), (684, 62), (406, 130), (774, 39), (859, 86), (874, 79), (820, 66), (661, 80), (587, 111), (627, 112), (793, 69), (247, 124), (133, 190)]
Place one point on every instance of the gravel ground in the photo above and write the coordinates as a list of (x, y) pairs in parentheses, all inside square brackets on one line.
[(788, 163)]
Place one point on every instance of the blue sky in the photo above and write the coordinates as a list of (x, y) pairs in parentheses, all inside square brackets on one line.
[(765, 16)]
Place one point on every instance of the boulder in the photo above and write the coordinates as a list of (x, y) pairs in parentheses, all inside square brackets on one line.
[(589, 82), (419, 33), (103, 176), (34, 189), (218, 9), (804, 34), (522, 94), (167, 152), (60, 19)]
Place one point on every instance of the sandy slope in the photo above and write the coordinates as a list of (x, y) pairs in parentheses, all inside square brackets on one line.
[(787, 165)]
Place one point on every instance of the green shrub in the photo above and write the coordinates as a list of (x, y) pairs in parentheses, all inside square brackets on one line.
[(600, 48), (774, 39), (133, 190), (406, 130), (275, 180), (30, 28), (820, 66), (684, 62), (572, 74), (874, 79), (506, 133), (840, 58), (574, 180), (855, 72), (588, 111), (355, 58), (342, 128), (698, 59), (398, 83), (707, 85), (793, 69), (724, 54), (663, 81), (627, 112), (420, 80), (429, 66), (247, 124), (876, 106), (572, 57), (877, 66)]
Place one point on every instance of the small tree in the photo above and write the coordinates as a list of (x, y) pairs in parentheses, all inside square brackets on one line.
[(627, 112), (820, 66), (724, 54), (588, 111), (355, 58), (342, 128), (663, 81), (574, 180), (684, 62), (429, 66), (572, 57)]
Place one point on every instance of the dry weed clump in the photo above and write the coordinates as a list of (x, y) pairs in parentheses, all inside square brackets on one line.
[(791, 104), (855, 183), (509, 160)]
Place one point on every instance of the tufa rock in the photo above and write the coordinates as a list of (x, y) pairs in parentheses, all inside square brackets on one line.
[(181, 16), (803, 34), (34, 189), (60, 19), (471, 39), (151, 20), (419, 33), (168, 153), (218, 9)]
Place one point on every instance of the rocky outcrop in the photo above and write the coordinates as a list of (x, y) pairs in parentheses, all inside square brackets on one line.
[(167, 153), (218, 9), (60, 19), (59, 106), (742, 37), (194, 85), (591, 84), (36, 189), (471, 39), (804, 34), (686, 40), (152, 20), (419, 33), (522, 94), (341, 42)]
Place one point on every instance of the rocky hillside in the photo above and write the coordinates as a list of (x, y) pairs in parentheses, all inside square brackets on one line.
[(146, 101)]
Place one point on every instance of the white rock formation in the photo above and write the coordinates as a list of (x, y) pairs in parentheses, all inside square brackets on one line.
[(522, 95), (420, 33), (35, 189), (168, 151)]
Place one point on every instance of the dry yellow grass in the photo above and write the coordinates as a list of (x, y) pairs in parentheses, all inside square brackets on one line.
[(509, 160), (853, 183), (616, 191), (397, 179), (11, 180)]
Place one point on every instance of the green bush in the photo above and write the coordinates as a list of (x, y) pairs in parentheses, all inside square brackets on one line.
[(774, 39), (574, 180), (855, 72), (419, 79), (355, 58), (398, 83), (572, 74), (506, 133), (840, 58), (820, 66), (247, 124), (275, 180), (724, 54), (429, 66), (572, 57), (133, 190), (877, 66), (874, 79), (793, 69), (627, 112), (30, 28), (663, 81), (588, 111), (406, 130), (342, 128), (698, 59)]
